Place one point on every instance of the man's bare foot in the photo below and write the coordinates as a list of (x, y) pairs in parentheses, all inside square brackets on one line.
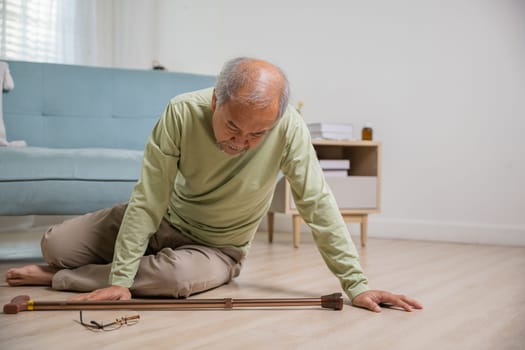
[(30, 275)]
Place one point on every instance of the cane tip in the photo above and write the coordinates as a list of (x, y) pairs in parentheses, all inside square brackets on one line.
[(332, 301)]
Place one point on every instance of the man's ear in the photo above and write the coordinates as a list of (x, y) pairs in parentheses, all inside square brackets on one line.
[(213, 101)]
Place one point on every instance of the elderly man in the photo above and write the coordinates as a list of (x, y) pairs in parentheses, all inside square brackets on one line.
[(208, 176)]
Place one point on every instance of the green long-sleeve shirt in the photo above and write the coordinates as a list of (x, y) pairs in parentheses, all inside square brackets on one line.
[(219, 200)]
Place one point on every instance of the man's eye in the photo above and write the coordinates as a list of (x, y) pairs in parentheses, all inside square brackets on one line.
[(231, 128)]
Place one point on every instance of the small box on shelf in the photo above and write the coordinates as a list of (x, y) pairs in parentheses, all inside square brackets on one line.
[(331, 131), (335, 164)]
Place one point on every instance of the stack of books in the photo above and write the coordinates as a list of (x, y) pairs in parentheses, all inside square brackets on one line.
[(331, 131), (335, 167)]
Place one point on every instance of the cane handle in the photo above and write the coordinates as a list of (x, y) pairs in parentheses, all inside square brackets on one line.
[(19, 303)]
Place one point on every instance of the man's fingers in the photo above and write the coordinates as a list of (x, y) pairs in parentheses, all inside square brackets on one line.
[(80, 297), (402, 301), (374, 299), (407, 303), (412, 302), (404, 305), (367, 303), (374, 307), (371, 305), (110, 293)]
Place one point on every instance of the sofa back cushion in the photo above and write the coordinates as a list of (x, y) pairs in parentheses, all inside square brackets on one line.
[(65, 106)]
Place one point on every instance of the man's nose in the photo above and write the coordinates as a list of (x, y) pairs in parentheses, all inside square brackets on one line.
[(240, 140)]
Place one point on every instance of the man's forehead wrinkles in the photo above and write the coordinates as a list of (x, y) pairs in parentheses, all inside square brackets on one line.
[(246, 123), (254, 131)]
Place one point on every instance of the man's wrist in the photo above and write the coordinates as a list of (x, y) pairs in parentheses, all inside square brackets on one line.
[(118, 286), (361, 288), (120, 281)]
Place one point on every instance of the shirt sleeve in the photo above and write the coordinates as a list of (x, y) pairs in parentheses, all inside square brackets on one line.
[(149, 200), (317, 206)]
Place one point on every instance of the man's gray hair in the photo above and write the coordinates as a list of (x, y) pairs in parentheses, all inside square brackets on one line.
[(233, 77)]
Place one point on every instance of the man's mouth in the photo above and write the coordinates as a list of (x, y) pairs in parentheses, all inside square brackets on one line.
[(227, 147)]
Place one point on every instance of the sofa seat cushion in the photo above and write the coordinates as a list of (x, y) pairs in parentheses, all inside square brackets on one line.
[(44, 181), (35, 163)]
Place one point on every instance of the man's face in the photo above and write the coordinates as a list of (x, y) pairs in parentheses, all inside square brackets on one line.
[(238, 128)]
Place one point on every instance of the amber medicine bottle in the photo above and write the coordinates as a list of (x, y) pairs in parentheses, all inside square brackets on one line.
[(367, 133)]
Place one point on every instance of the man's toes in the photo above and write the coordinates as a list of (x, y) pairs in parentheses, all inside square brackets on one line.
[(13, 279), (14, 282), (10, 274)]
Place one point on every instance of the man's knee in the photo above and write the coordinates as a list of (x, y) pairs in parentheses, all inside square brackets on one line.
[(181, 288), (86, 239), (51, 246), (180, 282), (168, 284), (177, 274)]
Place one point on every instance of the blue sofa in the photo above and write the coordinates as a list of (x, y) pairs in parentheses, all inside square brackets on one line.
[(85, 128)]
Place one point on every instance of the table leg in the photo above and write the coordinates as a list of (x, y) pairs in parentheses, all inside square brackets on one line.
[(364, 230), (270, 226), (296, 230)]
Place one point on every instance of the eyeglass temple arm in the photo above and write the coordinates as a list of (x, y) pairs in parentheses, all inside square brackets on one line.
[(123, 320), (130, 318), (95, 324)]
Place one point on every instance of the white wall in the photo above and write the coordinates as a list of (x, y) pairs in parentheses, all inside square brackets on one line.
[(135, 32), (443, 83), (117, 33)]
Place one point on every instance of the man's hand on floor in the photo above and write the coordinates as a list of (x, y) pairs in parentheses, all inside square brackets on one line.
[(374, 299), (109, 293)]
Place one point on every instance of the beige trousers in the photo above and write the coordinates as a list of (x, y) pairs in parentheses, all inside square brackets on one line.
[(173, 265)]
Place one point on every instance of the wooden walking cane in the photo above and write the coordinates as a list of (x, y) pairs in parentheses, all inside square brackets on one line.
[(25, 303)]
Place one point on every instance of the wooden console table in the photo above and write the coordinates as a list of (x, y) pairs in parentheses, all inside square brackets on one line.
[(357, 195)]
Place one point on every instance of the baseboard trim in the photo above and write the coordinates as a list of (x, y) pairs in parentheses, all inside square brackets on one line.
[(460, 232)]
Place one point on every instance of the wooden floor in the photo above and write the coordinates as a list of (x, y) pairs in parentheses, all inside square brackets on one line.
[(474, 298)]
